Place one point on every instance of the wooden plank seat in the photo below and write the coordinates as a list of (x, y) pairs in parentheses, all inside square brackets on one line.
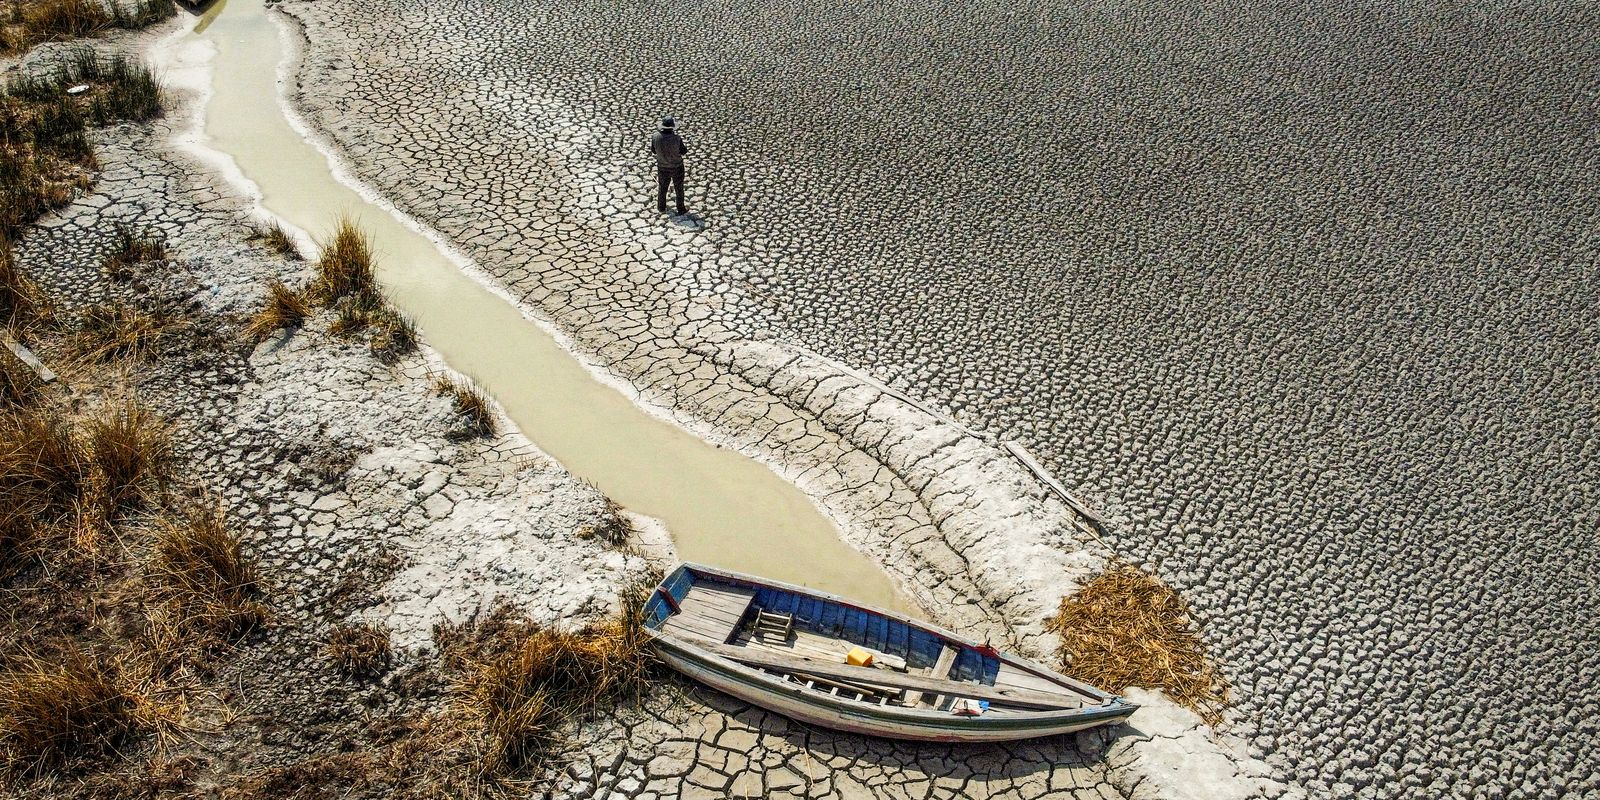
[(710, 612)]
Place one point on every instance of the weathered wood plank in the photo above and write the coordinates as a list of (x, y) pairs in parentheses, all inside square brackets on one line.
[(1011, 675), (927, 684), (22, 352), (940, 671)]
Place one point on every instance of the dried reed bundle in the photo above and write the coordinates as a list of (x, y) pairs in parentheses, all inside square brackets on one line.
[(1126, 628)]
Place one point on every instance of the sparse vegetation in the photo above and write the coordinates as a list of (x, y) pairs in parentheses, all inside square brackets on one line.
[(43, 476), (129, 452), (277, 240), (19, 384), (345, 267), (133, 246), (1126, 628), (131, 93), (21, 302), (60, 481), (393, 334), (58, 20), (285, 309), (521, 683), (345, 281), (55, 710), (470, 401), (613, 528), (105, 332), (201, 574), (359, 650)]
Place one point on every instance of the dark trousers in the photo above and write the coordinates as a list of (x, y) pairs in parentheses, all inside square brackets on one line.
[(669, 175)]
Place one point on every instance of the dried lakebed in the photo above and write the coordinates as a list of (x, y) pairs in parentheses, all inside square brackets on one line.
[(1297, 295), (346, 477), (960, 523)]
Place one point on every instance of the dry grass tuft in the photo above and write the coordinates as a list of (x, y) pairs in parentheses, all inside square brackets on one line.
[(64, 485), (278, 240), (522, 683), (353, 312), (133, 246), (61, 20), (57, 710), (106, 332), (1126, 628), (409, 758), (345, 266), (43, 467), (613, 528), (201, 574), (19, 384), (129, 450), (21, 302), (393, 334), (326, 776), (285, 309), (359, 650), (470, 401), (56, 20), (43, 474)]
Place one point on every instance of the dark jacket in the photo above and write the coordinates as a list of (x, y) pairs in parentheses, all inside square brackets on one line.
[(669, 149)]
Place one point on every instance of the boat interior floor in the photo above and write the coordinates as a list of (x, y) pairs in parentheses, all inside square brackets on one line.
[(718, 614)]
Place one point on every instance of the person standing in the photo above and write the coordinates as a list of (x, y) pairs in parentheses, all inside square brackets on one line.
[(669, 150)]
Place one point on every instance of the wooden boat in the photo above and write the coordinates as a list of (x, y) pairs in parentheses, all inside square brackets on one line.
[(787, 649)]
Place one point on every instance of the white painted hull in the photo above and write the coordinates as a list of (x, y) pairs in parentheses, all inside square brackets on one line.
[(789, 700), (693, 639)]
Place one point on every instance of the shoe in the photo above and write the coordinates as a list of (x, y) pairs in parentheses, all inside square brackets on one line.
[(682, 211)]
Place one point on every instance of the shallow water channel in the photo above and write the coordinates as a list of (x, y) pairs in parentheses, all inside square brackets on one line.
[(721, 507)]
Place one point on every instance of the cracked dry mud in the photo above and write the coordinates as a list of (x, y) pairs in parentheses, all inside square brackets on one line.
[(1302, 296), (348, 485)]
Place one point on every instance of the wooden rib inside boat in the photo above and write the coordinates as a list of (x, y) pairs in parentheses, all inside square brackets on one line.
[(828, 661)]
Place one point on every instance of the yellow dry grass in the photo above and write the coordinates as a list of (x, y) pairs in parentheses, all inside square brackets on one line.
[(1126, 628), (359, 650), (19, 384), (200, 573), (106, 332), (345, 266), (285, 309), (470, 401), (278, 240), (521, 683), (21, 301), (53, 710), (129, 450)]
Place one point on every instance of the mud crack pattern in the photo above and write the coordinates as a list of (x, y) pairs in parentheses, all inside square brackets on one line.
[(1302, 295)]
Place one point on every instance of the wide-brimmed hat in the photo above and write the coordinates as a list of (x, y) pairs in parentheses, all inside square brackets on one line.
[(668, 123)]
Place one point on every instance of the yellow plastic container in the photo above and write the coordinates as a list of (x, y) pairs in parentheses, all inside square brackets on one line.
[(858, 657)]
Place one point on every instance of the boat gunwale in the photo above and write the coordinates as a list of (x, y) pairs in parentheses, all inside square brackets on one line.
[(1103, 699), (925, 717)]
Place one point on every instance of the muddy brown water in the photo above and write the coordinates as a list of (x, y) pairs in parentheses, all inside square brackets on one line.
[(721, 507)]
